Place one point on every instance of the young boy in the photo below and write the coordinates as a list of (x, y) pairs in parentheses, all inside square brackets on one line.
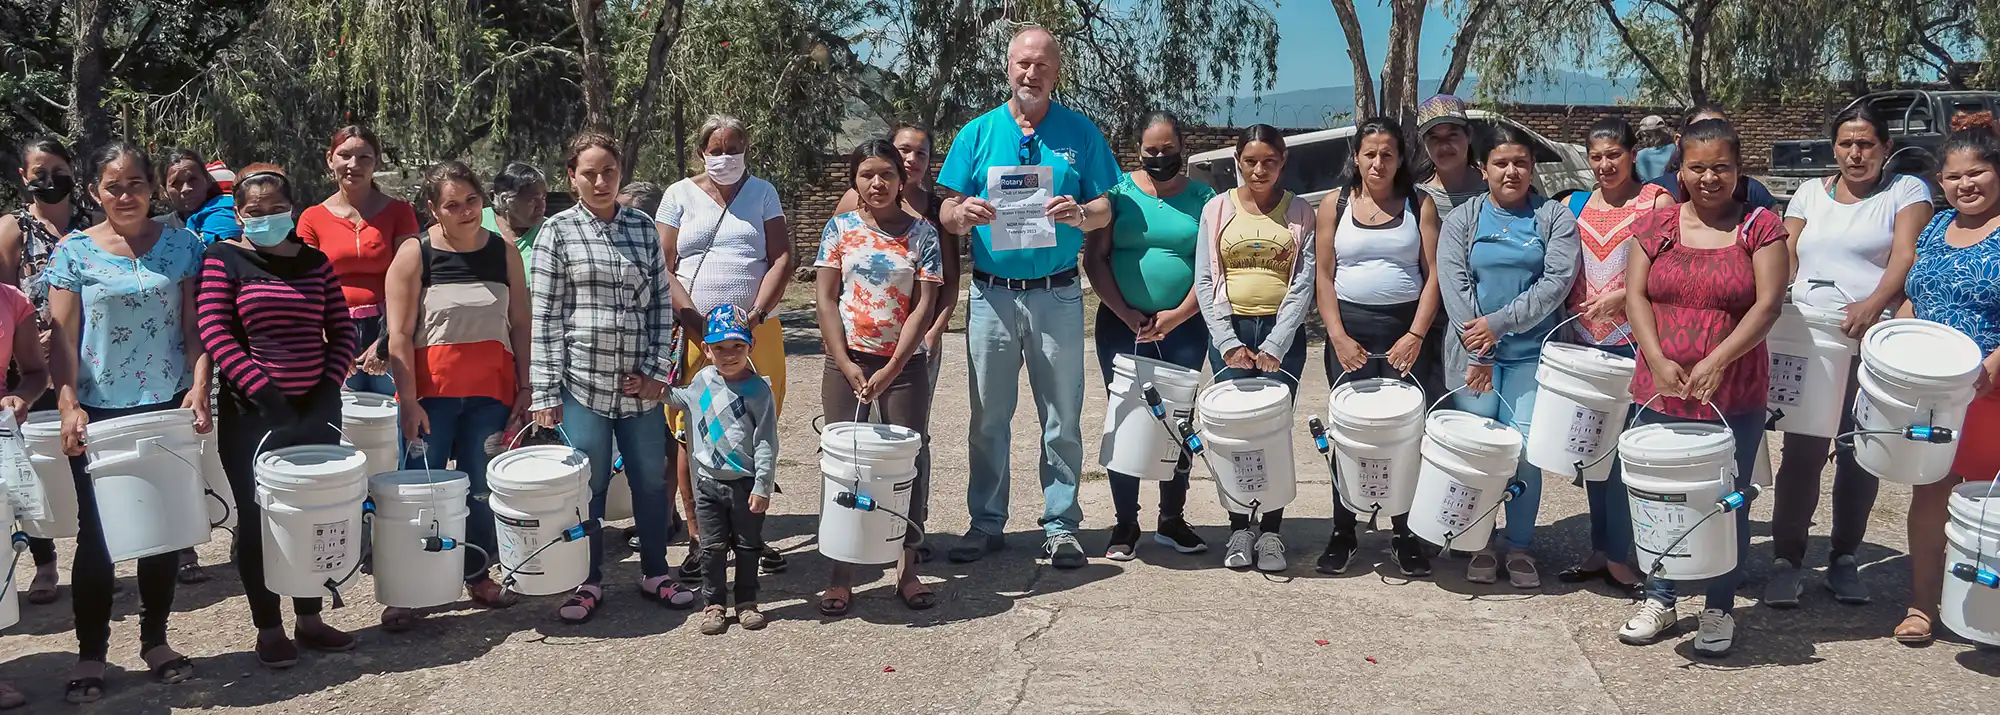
[(733, 438)]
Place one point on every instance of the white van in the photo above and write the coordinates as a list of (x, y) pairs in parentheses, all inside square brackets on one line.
[(1315, 161)]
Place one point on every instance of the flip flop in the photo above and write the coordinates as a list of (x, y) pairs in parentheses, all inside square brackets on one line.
[(836, 606), (173, 670)]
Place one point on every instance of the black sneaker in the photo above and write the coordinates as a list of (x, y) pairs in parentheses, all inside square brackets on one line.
[(1339, 553), (772, 561), (1064, 552), (1176, 533), (691, 566), (1409, 554), (1124, 541)]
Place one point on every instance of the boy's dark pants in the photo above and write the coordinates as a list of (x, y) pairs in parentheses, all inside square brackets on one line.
[(722, 510)]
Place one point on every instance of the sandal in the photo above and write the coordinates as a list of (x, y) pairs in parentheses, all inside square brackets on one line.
[(1915, 629), (42, 590), (581, 606), (10, 696), (1521, 572), (172, 670), (663, 589), (398, 620), (916, 596), (833, 606), (489, 595), (87, 689)]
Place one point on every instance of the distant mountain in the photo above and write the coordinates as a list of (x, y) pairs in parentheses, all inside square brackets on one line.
[(1314, 107)]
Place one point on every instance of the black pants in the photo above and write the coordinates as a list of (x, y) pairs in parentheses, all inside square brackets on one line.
[(1377, 328), (92, 573), (905, 403), (241, 427), (722, 512), (1797, 482)]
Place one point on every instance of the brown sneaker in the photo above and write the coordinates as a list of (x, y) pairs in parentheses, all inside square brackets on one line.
[(714, 621), (324, 638), (277, 652), (750, 618)]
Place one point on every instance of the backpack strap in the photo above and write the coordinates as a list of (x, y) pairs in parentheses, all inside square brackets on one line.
[(1578, 200)]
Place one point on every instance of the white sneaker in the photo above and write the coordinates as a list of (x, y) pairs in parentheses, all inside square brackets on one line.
[(1237, 555), (1718, 634), (1655, 620)]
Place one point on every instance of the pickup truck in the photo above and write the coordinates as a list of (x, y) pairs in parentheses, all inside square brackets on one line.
[(1918, 122)]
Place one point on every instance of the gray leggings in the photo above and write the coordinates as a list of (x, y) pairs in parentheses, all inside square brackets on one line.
[(906, 403)]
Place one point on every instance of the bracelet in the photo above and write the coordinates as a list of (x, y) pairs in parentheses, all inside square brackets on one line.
[(1414, 334)]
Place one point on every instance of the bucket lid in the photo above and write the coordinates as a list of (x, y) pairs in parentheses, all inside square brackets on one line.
[(1588, 362), (1376, 402), (1920, 351), (1676, 444), (151, 421), (1469, 432), (1244, 398), (366, 407), (42, 425), (322, 466), (542, 467), (419, 484), (870, 434), (1156, 370)]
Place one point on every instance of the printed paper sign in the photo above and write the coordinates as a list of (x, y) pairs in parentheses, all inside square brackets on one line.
[(1461, 504), (1660, 519), (518, 538), (329, 546), (1251, 476), (1374, 478), (1020, 198), (24, 489)]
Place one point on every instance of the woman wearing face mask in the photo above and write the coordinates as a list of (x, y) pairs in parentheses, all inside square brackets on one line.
[(1143, 269), (1853, 240), (27, 239), (520, 198), (1505, 264), (1951, 283), (359, 228), (1453, 172), (1378, 295), (878, 273), (727, 242), (273, 317), (1253, 276), (1701, 293), (1604, 220), (199, 203), (121, 300), (458, 342)]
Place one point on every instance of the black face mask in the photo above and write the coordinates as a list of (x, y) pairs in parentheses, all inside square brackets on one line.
[(51, 189), (1163, 167)]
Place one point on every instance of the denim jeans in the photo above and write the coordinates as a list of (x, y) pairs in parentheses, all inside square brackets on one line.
[(1186, 346), (641, 439), (1511, 402), (370, 330), (1041, 329), (1253, 330), (1610, 509), (1748, 429), (460, 427)]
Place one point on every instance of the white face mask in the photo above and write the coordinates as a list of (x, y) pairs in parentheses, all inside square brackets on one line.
[(725, 169)]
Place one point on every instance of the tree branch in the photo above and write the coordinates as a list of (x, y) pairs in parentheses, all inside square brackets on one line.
[(1625, 36), (1357, 55), (1461, 46)]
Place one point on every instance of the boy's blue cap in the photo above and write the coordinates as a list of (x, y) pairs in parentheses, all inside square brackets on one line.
[(727, 322)]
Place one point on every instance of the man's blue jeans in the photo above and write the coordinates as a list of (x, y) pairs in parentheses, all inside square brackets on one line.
[(642, 439), (1041, 329), (460, 427), (1511, 402)]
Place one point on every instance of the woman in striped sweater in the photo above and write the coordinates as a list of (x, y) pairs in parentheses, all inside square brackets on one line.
[(272, 317)]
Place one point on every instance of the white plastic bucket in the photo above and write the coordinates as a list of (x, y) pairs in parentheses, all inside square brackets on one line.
[(1674, 475), (1135, 443), (369, 423), (1375, 427), (10, 598), (1467, 461), (149, 490), (1913, 372), (1247, 424), (43, 433), (1972, 537), (1579, 409), (1810, 362), (410, 506), (618, 495), (1762, 475), (311, 497), (221, 499), (537, 493), (877, 461)]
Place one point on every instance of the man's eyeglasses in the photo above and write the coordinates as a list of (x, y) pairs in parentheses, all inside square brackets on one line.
[(1027, 149)]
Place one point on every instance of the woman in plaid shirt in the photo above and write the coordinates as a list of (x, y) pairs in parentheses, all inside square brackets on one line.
[(603, 337)]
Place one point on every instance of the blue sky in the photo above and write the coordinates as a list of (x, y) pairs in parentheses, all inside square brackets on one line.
[(1312, 51)]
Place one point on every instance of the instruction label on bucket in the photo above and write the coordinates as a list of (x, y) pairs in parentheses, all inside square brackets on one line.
[(329, 546), (1586, 430), (518, 538), (1461, 504), (1788, 379), (1659, 519), (1864, 412), (1250, 473), (24, 489), (1374, 478)]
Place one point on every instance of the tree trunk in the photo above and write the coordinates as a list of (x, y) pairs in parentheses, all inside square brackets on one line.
[(87, 120), (1461, 46), (1699, 25), (1357, 55), (1632, 46), (680, 131), (596, 80), (1399, 63), (639, 117)]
